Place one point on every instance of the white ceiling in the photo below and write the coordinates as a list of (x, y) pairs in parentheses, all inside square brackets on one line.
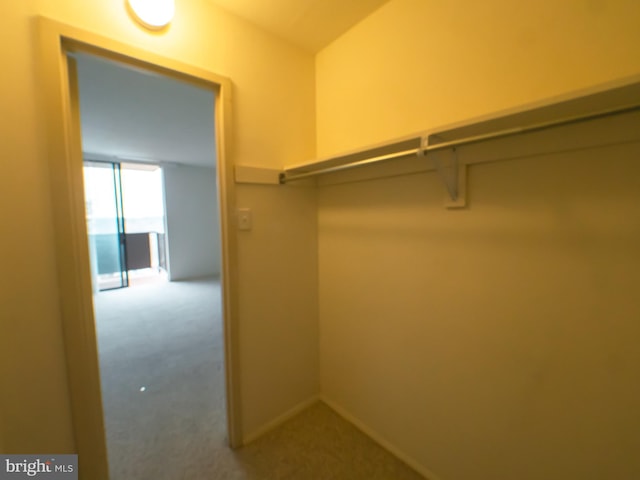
[(310, 24), (129, 114)]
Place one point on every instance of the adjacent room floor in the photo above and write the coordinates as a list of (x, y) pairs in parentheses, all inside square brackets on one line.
[(162, 370)]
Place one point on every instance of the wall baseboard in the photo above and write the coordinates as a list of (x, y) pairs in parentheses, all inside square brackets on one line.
[(267, 427), (395, 451)]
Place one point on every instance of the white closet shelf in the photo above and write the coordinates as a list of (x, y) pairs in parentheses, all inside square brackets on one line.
[(614, 99), (579, 107)]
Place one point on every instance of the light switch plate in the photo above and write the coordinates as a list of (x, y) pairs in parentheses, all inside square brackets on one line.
[(244, 219)]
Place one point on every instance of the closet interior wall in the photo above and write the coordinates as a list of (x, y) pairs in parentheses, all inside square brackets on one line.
[(448, 331), (497, 341)]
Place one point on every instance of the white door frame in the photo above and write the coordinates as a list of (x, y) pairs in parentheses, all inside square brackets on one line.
[(61, 111)]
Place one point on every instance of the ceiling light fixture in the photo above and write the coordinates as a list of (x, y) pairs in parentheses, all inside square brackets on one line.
[(153, 14)]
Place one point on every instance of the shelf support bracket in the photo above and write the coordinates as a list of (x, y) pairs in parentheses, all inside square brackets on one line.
[(453, 175)]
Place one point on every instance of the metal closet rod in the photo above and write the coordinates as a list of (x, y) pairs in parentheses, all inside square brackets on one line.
[(285, 177)]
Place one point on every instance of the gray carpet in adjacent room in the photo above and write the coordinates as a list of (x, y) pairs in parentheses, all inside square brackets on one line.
[(167, 339)]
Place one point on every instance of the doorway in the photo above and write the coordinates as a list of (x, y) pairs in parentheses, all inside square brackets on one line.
[(72, 252), (160, 356)]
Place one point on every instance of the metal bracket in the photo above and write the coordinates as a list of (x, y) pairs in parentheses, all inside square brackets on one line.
[(454, 176)]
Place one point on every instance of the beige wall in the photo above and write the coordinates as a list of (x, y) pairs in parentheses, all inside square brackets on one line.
[(416, 64), (279, 316), (267, 74), (495, 342), (35, 408)]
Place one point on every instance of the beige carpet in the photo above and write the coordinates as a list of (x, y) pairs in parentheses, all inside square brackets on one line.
[(166, 339)]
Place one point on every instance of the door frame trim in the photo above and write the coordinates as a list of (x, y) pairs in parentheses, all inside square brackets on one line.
[(62, 127)]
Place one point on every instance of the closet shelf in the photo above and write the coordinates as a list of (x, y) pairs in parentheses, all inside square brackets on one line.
[(577, 108)]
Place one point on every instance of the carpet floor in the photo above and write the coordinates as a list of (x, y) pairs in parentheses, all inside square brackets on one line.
[(162, 373)]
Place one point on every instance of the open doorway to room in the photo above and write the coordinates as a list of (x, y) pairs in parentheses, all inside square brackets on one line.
[(59, 43), (153, 224)]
